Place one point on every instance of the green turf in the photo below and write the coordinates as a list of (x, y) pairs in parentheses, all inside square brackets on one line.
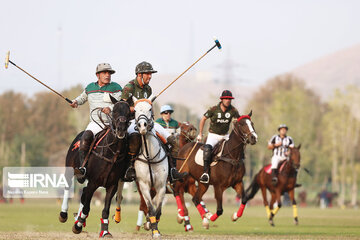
[(42, 216)]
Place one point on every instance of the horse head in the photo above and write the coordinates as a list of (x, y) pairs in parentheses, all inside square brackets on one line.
[(120, 118), (295, 156), (188, 130), (144, 116), (244, 127)]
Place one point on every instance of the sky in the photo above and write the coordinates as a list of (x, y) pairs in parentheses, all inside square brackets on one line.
[(61, 41)]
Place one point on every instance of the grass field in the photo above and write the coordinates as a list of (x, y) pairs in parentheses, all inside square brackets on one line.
[(38, 219)]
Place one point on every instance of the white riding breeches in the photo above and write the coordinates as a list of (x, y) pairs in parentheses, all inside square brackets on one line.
[(213, 138), (275, 161), (94, 127)]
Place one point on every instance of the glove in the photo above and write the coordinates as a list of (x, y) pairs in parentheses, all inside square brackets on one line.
[(199, 138)]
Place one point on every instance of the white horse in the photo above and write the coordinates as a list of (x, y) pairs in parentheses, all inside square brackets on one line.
[(151, 165)]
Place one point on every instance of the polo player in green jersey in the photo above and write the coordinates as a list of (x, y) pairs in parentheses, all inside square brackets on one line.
[(98, 95), (220, 117), (166, 121), (139, 88)]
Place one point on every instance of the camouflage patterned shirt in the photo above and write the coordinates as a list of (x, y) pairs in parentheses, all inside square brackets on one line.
[(219, 120), (133, 88)]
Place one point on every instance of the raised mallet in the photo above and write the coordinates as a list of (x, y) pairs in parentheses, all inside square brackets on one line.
[(217, 44), (7, 61)]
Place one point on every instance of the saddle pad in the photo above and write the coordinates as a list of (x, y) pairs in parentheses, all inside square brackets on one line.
[(199, 158), (267, 168)]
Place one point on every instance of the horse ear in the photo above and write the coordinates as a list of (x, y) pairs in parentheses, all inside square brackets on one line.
[(250, 113), (299, 146), (113, 100)]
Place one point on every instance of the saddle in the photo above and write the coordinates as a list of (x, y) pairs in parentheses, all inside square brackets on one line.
[(97, 139), (268, 169), (216, 153)]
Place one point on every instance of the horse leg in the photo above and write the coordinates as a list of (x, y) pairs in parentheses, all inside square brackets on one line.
[(85, 200), (119, 198), (110, 192), (239, 188), (272, 213), (63, 216), (219, 190), (143, 210), (295, 212), (277, 197), (197, 199), (265, 201)]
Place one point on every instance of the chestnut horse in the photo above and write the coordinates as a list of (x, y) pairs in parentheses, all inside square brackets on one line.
[(228, 171), (286, 183)]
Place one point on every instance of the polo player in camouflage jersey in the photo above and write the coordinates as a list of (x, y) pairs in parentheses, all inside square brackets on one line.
[(139, 88), (98, 95), (220, 117)]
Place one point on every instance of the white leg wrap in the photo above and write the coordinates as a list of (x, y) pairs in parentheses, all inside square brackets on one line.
[(65, 206), (140, 218), (80, 209)]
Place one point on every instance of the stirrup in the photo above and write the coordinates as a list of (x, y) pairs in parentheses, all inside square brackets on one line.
[(274, 181), (130, 176), (80, 172), (204, 178)]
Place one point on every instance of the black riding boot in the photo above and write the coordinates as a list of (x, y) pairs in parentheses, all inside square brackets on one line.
[(85, 142), (205, 178), (274, 179), (134, 148), (175, 175)]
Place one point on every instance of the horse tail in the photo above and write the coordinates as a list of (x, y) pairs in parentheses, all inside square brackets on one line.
[(252, 189)]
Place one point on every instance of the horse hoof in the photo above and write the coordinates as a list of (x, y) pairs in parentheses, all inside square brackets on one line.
[(63, 217), (271, 222), (179, 219), (137, 228), (234, 217), (296, 221), (205, 223), (147, 226), (189, 228), (156, 234), (108, 235), (76, 229)]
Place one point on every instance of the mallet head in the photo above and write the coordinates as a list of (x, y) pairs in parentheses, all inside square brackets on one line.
[(7, 58), (217, 43)]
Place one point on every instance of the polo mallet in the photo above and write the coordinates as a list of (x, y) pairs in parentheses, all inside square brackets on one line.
[(7, 61), (217, 44), (188, 156)]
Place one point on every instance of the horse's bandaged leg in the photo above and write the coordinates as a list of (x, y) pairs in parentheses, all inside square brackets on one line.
[(180, 206), (295, 212), (104, 227), (241, 210), (65, 206), (79, 211), (204, 206), (268, 212), (140, 218), (117, 215), (201, 210), (214, 217), (275, 210)]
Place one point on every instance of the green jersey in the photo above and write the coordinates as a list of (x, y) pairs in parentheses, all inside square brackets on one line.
[(219, 120), (133, 88), (171, 126)]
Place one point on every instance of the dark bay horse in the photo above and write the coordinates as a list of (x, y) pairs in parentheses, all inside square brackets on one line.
[(228, 171), (107, 163), (286, 183)]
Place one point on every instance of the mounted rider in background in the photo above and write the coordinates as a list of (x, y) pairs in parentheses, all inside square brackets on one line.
[(220, 116), (280, 145), (139, 88), (98, 95)]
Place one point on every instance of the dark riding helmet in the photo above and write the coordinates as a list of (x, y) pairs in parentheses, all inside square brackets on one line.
[(226, 94), (144, 67), (283, 126)]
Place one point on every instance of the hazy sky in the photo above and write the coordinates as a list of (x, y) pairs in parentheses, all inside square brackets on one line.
[(61, 42)]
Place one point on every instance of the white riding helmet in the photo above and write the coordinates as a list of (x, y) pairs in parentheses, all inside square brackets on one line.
[(166, 108)]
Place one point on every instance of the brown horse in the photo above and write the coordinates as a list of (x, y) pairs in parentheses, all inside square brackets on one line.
[(228, 171), (286, 183), (187, 134)]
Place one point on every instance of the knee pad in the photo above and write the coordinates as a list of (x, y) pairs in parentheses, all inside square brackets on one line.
[(86, 140), (134, 143)]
